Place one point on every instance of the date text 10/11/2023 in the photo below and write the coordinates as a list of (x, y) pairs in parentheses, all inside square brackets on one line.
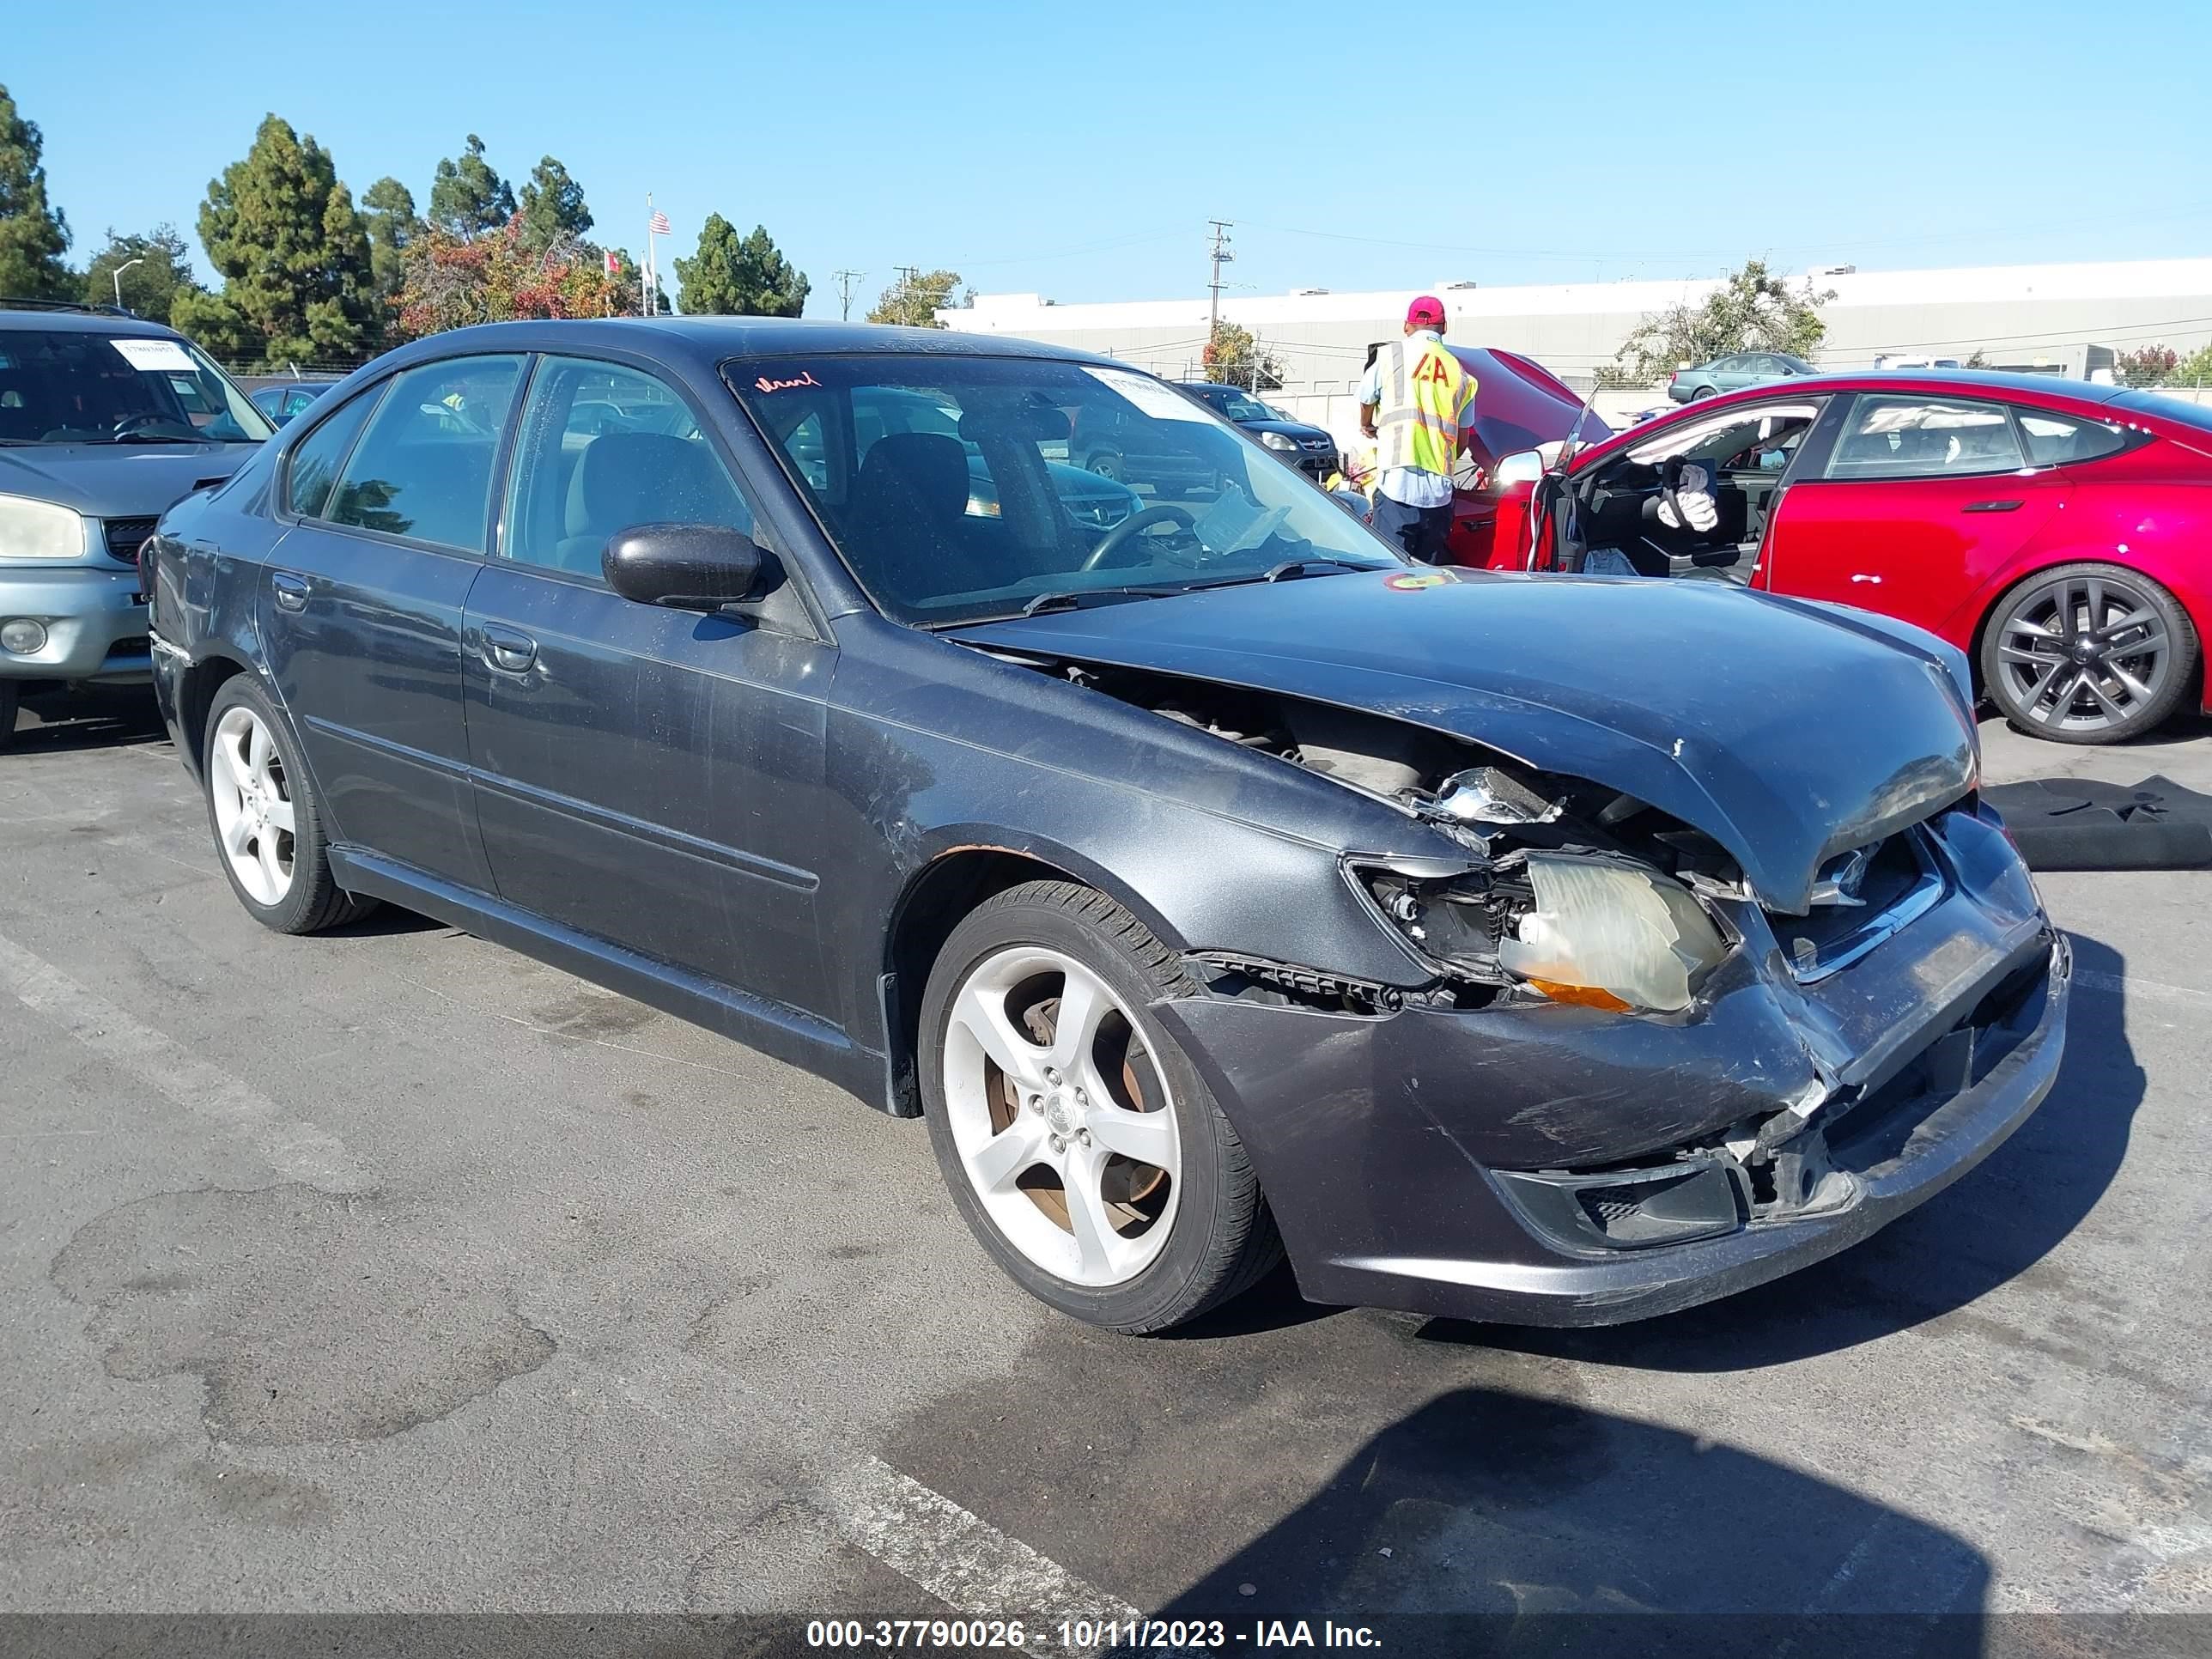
[(1086, 1635)]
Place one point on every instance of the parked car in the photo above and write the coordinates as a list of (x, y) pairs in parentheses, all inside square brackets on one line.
[(1138, 452), (1215, 884), (1905, 360), (104, 421), (1730, 374), (2055, 531), (1304, 445), (281, 402)]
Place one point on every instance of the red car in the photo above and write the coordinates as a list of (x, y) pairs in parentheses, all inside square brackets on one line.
[(2058, 532)]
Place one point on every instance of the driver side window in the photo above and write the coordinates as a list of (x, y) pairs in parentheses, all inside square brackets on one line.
[(633, 455)]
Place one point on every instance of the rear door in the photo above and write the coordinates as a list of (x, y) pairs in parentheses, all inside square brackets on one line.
[(1923, 498), (361, 602), (649, 777)]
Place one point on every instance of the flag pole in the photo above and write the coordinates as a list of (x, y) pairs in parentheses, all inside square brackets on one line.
[(649, 276)]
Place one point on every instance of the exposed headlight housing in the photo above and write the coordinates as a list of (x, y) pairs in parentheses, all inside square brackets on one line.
[(1611, 936), (1591, 932), (1277, 440), (35, 530)]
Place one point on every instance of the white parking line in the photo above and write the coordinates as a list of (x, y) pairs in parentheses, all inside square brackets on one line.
[(959, 1557), (2129, 985), (294, 1148)]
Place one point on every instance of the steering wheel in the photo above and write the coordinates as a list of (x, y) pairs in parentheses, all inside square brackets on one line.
[(1111, 541), (129, 425)]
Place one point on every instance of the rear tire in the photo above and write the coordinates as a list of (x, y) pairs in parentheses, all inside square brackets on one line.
[(1703, 393), (1179, 1225), (2088, 654), (267, 822), (9, 691), (1108, 465)]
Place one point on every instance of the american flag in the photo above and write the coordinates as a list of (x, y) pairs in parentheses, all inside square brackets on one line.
[(657, 225)]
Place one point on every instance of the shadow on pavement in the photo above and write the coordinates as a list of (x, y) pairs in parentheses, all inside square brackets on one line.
[(96, 717), (1994, 1225), (1489, 1521)]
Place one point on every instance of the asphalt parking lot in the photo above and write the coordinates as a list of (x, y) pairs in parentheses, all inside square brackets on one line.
[(392, 1271)]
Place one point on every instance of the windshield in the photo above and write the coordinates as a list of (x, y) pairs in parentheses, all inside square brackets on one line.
[(1238, 407), (961, 488), (71, 386)]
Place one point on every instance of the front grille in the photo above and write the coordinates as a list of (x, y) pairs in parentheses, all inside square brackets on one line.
[(124, 536), (1892, 882)]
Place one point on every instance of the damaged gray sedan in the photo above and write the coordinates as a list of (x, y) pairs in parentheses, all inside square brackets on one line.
[(1216, 885)]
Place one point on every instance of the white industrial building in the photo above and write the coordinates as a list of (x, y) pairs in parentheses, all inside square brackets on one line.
[(2063, 318)]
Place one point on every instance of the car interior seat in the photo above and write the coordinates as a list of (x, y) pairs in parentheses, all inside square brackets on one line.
[(626, 478), (912, 494)]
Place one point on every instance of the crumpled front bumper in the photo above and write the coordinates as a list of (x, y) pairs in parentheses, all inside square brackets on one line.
[(1386, 1143), (94, 618)]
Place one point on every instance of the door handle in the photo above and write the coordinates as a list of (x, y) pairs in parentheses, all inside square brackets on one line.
[(291, 591), (509, 651), (1992, 507)]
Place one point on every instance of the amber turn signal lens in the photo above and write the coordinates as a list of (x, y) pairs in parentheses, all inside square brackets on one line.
[(1580, 996)]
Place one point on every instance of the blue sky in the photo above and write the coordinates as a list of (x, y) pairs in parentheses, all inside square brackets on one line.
[(1078, 150)]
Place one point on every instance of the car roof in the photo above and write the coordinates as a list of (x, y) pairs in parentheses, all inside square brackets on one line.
[(1957, 381), (70, 320), (710, 340)]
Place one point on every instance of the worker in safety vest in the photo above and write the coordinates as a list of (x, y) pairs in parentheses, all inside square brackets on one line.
[(1416, 401)]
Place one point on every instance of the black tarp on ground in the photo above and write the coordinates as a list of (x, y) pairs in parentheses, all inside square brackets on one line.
[(2079, 823)]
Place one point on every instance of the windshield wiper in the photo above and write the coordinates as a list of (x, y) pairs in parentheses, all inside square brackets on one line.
[(152, 438), (1075, 598), (1289, 568)]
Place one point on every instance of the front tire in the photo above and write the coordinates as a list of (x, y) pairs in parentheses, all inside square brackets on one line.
[(1078, 1140), (2088, 654), (9, 691), (267, 823), (1107, 464)]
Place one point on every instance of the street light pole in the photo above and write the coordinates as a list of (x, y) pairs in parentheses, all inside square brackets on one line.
[(117, 275)]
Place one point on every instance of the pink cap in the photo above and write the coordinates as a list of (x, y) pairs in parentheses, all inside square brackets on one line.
[(1426, 312)]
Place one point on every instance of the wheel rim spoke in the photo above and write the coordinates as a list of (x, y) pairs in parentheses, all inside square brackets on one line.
[(2111, 708), (1099, 1249), (1083, 1003), (260, 748), (981, 1012), (280, 817), (234, 762), (1007, 1154), (1141, 1137), (237, 833), (2135, 688), (271, 870)]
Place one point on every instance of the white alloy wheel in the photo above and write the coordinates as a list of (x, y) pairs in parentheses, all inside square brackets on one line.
[(253, 799), (1064, 1125)]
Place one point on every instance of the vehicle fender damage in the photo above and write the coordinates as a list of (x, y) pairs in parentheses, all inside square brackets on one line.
[(1611, 1033)]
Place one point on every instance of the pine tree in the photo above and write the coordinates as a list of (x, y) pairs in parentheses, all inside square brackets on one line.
[(388, 211), (733, 277), (466, 197), (552, 206), (284, 233), (33, 235)]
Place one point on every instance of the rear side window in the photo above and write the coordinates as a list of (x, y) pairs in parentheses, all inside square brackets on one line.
[(423, 467), (1923, 437), (2055, 440), (316, 460)]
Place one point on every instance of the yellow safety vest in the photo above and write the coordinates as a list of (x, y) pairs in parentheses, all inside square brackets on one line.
[(1423, 398)]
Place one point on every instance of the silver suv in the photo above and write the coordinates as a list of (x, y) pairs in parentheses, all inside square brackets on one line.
[(105, 420)]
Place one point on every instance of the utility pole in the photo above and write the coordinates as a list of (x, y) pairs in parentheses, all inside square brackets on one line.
[(845, 281), (1222, 256)]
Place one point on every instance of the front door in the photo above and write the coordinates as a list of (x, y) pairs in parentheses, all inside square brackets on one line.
[(1923, 498), (649, 777), (362, 602)]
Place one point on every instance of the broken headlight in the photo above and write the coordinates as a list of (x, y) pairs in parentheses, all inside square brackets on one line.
[(1591, 932), (1611, 936)]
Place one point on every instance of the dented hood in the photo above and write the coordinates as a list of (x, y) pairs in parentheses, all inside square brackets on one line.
[(1787, 732)]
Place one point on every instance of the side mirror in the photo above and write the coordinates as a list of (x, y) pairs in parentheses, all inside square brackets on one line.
[(685, 567)]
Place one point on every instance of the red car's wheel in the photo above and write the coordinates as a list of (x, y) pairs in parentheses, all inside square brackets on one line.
[(2088, 654)]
